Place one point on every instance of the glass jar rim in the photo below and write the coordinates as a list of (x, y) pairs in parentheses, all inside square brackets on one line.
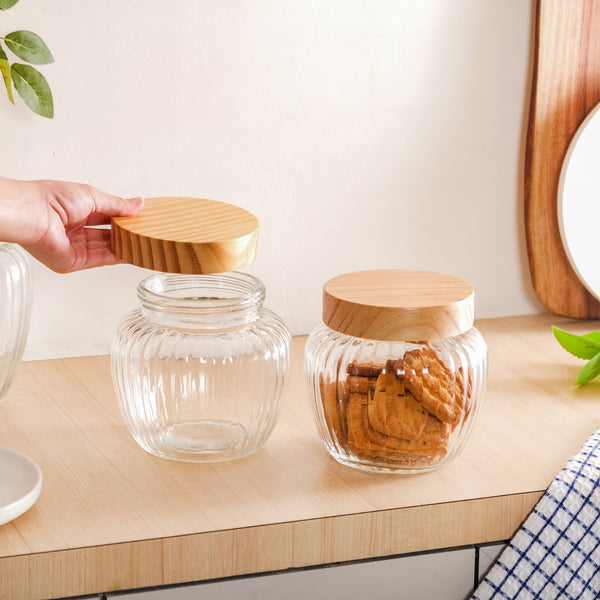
[(222, 291)]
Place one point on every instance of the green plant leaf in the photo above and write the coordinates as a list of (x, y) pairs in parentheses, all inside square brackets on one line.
[(6, 4), (5, 70), (594, 336), (34, 89), (29, 46), (590, 371), (581, 346)]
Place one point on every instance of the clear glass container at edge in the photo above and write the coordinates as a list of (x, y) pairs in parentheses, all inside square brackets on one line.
[(201, 368), (15, 310)]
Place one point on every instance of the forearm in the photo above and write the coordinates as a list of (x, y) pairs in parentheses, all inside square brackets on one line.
[(23, 212)]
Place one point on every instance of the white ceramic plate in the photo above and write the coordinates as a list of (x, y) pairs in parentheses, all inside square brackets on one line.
[(579, 202), (20, 484)]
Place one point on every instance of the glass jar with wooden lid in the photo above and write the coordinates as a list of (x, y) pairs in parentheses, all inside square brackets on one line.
[(201, 366), (396, 372)]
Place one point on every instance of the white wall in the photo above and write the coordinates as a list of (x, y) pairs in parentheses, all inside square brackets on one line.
[(363, 134)]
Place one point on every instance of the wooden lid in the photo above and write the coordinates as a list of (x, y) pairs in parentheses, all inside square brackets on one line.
[(186, 235), (397, 305)]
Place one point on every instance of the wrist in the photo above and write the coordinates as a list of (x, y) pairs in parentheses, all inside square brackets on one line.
[(21, 211)]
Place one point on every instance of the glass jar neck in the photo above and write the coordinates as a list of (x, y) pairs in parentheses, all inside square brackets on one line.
[(210, 302)]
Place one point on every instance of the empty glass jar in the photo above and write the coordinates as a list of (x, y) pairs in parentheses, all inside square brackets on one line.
[(396, 372), (15, 310), (200, 369)]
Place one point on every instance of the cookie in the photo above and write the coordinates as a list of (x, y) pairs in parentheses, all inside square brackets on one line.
[(444, 394), (365, 441), (392, 410), (361, 385), (334, 397), (398, 412), (369, 369)]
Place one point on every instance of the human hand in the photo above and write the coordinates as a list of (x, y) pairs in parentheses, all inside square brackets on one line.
[(56, 221)]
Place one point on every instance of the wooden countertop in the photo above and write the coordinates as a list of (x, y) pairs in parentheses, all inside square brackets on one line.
[(112, 517)]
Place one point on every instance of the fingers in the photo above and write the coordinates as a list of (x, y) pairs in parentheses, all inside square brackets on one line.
[(113, 206), (97, 252), (85, 249), (130, 206), (65, 239), (95, 219)]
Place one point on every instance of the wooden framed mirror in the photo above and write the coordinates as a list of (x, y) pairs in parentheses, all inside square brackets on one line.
[(565, 89)]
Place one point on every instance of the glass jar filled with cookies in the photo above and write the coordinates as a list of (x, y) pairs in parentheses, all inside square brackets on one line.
[(396, 372)]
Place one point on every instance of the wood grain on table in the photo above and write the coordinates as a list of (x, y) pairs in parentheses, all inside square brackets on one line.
[(112, 517)]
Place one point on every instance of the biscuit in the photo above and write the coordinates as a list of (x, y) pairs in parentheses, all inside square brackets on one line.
[(361, 385), (431, 442), (365, 441), (357, 434), (369, 369), (398, 412), (392, 410), (443, 393), (334, 398)]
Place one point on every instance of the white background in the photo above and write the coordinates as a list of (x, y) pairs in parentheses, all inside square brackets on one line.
[(363, 134)]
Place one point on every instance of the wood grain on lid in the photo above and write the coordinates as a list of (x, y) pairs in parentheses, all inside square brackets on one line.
[(398, 305), (186, 235)]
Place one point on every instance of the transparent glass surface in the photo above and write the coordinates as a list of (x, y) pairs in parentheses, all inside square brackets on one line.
[(201, 368), (394, 406), (15, 310)]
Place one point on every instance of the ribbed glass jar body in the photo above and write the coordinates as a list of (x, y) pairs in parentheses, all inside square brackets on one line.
[(15, 310), (201, 368), (394, 406)]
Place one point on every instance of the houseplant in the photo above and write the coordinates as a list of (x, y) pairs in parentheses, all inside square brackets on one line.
[(29, 83)]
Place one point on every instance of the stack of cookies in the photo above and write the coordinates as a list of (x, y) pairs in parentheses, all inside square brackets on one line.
[(403, 411)]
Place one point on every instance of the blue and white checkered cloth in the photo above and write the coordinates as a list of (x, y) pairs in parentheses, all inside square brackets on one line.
[(556, 552)]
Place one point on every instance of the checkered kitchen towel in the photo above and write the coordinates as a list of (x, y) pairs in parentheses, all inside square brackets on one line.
[(556, 552)]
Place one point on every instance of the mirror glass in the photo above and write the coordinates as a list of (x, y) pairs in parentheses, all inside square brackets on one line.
[(579, 202)]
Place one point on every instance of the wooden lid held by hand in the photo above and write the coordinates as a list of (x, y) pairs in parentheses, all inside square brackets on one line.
[(186, 235), (398, 305)]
